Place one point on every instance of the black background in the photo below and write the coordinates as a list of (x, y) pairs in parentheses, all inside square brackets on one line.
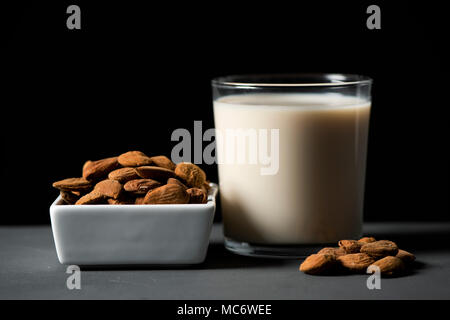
[(134, 73)]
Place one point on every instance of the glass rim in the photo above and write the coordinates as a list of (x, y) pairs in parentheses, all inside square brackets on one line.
[(329, 80)]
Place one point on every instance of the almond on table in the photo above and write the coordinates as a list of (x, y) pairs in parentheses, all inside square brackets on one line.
[(356, 256)]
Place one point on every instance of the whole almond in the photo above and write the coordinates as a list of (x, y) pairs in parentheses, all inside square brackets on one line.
[(350, 246), (191, 174), (134, 159), (155, 173), (355, 262), (176, 181), (96, 170), (318, 264), (380, 248), (197, 195), (93, 197), (366, 240), (332, 251), (390, 266), (167, 194), (123, 174), (109, 188), (141, 186), (164, 162), (405, 256), (73, 184), (69, 197)]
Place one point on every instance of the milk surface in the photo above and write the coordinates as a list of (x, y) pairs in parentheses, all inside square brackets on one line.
[(317, 194)]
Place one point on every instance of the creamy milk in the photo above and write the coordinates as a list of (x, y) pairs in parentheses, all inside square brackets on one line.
[(317, 194)]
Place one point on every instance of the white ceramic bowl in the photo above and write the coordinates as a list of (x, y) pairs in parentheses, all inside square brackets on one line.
[(133, 234)]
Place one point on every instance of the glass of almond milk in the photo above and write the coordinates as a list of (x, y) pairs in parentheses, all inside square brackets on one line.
[(291, 153)]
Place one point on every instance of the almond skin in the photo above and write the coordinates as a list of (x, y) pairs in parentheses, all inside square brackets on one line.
[(197, 195), (350, 246), (380, 248), (337, 252), (109, 188), (73, 184), (366, 240), (390, 266), (139, 200), (134, 159), (191, 174), (405, 256), (167, 194), (176, 181), (69, 197), (163, 162), (356, 262), (318, 264), (93, 197), (123, 175), (96, 170), (155, 173), (141, 186)]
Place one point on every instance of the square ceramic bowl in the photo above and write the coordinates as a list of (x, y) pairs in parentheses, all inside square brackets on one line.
[(167, 234)]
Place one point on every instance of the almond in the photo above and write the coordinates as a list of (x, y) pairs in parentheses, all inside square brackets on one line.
[(350, 246), (93, 197), (139, 200), (366, 240), (73, 184), (141, 186), (123, 174), (390, 266), (167, 194), (134, 159), (109, 188), (176, 181), (196, 195), (405, 256), (380, 248), (355, 262), (120, 200), (191, 174), (69, 197), (332, 251), (96, 170), (164, 162), (318, 264), (155, 173)]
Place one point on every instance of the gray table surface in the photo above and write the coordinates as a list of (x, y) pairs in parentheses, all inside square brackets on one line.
[(29, 269)]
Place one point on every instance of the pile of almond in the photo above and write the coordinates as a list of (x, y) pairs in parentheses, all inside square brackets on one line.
[(135, 178), (356, 256)]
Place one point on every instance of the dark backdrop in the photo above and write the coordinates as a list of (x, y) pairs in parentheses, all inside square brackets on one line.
[(135, 73)]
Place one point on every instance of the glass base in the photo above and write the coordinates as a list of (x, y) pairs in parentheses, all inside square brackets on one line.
[(273, 251)]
